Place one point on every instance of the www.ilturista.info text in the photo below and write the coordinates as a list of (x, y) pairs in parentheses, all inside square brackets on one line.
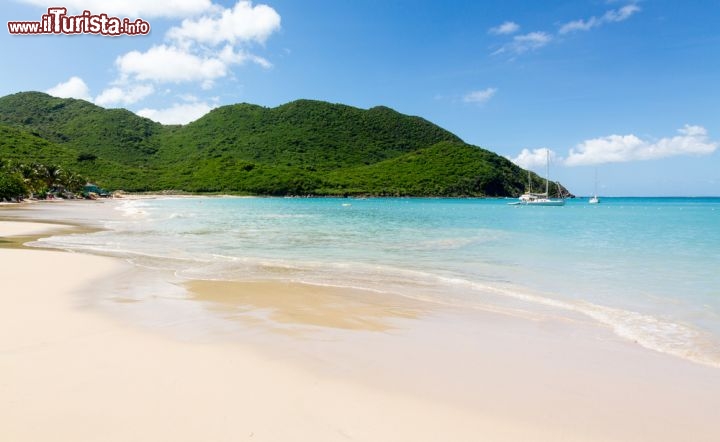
[(56, 21)]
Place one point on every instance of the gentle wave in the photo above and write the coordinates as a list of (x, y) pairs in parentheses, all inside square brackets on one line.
[(479, 256), (651, 332), (132, 209)]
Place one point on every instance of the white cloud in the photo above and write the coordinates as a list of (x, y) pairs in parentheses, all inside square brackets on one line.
[(170, 64), (132, 8), (210, 41), (579, 25), (621, 14), (611, 16), (177, 113), (533, 159), (536, 40), (243, 23), (230, 56), (692, 140), (525, 42), (203, 50), (118, 95), (532, 40), (480, 96), (508, 27), (75, 87)]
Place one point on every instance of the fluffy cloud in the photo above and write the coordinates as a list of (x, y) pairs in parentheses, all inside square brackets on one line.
[(243, 23), (480, 96), (533, 159), (170, 64), (508, 27), (75, 87), (692, 140), (525, 42), (204, 49), (129, 95), (612, 16), (229, 55), (133, 8), (178, 113)]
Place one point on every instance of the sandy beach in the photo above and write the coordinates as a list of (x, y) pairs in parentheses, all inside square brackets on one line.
[(340, 369)]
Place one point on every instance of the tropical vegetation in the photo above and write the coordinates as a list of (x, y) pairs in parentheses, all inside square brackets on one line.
[(20, 180), (304, 147)]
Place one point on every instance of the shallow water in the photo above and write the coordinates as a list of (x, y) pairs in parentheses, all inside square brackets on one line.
[(647, 268)]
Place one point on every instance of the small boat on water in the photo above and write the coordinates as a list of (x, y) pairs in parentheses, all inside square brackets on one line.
[(539, 199), (594, 199)]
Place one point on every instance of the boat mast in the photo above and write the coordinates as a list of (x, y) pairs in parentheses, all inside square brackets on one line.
[(595, 195), (529, 183), (547, 173)]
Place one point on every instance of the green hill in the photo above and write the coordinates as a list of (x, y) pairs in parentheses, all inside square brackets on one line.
[(21, 146), (306, 134), (446, 168), (300, 148), (114, 133)]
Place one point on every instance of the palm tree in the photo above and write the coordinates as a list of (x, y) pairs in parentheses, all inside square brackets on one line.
[(72, 181), (52, 175), (33, 175)]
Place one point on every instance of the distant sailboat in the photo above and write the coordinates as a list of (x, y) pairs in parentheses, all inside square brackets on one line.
[(540, 199), (594, 199)]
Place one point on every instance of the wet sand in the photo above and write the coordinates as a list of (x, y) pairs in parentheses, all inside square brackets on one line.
[(303, 304)]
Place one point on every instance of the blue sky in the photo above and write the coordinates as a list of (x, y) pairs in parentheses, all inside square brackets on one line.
[(630, 88)]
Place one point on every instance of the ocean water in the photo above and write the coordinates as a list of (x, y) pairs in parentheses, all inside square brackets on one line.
[(646, 268)]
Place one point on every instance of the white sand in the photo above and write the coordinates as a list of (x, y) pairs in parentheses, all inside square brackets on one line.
[(70, 373), (15, 228)]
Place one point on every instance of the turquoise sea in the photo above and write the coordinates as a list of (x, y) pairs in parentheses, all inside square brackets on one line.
[(646, 268)]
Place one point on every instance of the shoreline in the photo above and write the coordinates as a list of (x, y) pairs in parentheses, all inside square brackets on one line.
[(382, 372), (76, 375)]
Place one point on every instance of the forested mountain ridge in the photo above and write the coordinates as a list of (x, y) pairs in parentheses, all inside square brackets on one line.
[(304, 147)]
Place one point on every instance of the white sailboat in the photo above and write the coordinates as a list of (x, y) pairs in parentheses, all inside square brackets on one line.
[(540, 199), (594, 199)]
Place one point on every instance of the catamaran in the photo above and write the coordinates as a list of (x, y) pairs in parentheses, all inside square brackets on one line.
[(540, 199)]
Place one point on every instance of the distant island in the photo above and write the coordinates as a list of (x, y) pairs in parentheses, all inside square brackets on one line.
[(302, 148)]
